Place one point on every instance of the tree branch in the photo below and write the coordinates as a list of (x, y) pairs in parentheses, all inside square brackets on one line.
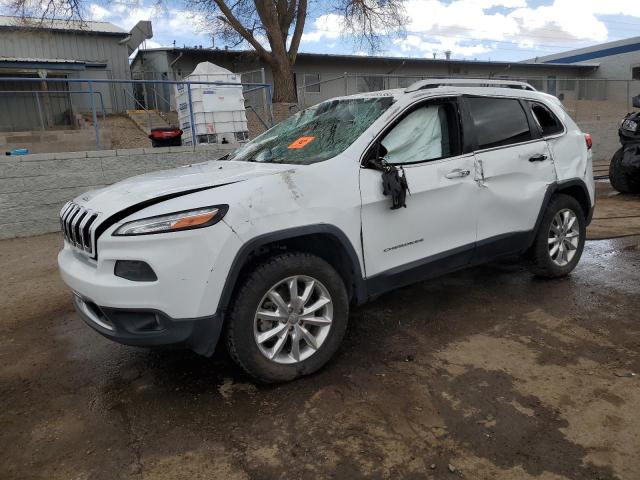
[(297, 33), (238, 27)]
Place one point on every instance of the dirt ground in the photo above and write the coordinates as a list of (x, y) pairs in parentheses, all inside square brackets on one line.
[(484, 374), (125, 134)]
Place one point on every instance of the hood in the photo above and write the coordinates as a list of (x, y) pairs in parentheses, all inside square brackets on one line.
[(142, 188)]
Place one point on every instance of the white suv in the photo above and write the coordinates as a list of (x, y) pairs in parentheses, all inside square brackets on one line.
[(271, 245)]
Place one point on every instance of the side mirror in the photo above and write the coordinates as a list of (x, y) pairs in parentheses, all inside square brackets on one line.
[(636, 101), (376, 154)]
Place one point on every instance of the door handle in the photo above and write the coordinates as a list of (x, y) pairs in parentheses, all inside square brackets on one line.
[(538, 158), (457, 173)]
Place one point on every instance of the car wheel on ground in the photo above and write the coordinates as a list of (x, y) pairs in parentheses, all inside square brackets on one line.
[(288, 318), (560, 239), (619, 178)]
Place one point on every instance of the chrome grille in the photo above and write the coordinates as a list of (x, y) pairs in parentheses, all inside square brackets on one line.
[(77, 225)]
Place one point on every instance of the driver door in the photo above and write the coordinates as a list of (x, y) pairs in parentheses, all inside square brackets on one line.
[(436, 232)]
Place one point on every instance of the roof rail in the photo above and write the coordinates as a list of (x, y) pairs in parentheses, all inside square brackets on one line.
[(467, 82)]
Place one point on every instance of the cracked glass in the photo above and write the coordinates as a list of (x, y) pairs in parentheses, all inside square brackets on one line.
[(315, 134)]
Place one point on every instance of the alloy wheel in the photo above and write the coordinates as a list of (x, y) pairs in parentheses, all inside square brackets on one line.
[(564, 237), (293, 319)]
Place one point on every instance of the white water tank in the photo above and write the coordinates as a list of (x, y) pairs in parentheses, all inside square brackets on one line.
[(218, 110)]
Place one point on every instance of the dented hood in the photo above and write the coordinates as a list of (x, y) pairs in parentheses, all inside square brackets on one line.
[(166, 183)]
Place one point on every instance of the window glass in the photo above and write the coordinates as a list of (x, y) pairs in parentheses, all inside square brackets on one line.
[(635, 73), (549, 123), (498, 121), (311, 82), (315, 134), (422, 135)]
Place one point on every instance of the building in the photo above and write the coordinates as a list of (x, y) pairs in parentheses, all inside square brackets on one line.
[(617, 77), (60, 49), (320, 76)]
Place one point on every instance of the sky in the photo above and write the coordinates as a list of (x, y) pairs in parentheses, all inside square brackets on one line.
[(509, 30)]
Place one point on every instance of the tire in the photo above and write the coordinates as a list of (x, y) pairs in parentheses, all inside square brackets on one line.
[(619, 178), (245, 325), (544, 262)]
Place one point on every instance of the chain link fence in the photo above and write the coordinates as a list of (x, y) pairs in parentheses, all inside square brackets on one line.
[(59, 114), (597, 105)]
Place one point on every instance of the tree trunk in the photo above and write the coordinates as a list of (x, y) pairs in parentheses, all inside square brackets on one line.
[(284, 88)]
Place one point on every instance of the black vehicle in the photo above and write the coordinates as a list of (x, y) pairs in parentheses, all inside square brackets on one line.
[(624, 171)]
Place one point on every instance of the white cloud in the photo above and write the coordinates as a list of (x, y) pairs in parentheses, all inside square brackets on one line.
[(471, 27), (325, 26), (440, 45), (148, 44), (99, 13)]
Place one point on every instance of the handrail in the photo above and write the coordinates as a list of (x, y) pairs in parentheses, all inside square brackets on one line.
[(127, 94), (156, 94), (264, 124)]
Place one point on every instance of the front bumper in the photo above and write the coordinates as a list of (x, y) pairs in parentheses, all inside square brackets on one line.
[(150, 328), (179, 307)]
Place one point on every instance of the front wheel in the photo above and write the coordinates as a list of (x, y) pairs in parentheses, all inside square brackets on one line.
[(288, 318), (560, 239)]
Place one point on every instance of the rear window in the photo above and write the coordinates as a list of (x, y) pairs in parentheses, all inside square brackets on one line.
[(548, 122), (498, 121)]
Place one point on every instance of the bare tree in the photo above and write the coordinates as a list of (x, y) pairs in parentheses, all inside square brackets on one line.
[(36, 12), (273, 28)]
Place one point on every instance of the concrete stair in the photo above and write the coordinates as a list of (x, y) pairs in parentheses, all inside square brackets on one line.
[(148, 119)]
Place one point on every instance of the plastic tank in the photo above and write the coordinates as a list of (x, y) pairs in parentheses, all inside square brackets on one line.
[(218, 110)]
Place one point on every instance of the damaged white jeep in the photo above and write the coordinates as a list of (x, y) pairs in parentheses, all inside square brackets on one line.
[(340, 203)]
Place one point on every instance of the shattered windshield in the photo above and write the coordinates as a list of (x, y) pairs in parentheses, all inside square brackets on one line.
[(315, 134)]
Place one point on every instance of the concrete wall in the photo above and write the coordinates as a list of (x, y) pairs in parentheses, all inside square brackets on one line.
[(33, 188), (50, 141)]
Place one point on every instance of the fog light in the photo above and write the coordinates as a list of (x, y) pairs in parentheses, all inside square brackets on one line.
[(135, 270)]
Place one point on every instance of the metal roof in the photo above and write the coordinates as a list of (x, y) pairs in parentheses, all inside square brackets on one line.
[(374, 58), (39, 60), (62, 25), (47, 63)]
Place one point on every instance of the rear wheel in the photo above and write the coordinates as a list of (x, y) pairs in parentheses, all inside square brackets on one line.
[(620, 179), (288, 319), (560, 239)]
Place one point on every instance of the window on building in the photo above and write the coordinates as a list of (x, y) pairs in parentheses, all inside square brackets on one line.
[(635, 73), (370, 83), (548, 122), (498, 121), (427, 133), (311, 82)]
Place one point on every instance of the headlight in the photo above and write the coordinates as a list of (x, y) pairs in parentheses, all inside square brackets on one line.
[(174, 222), (630, 125)]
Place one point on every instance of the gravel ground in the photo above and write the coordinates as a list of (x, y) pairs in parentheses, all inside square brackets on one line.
[(484, 374)]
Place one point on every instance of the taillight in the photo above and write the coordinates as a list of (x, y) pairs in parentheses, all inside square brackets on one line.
[(589, 140)]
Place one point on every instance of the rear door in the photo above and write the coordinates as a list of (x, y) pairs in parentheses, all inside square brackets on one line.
[(514, 167)]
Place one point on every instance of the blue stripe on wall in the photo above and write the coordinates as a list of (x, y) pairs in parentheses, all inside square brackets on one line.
[(607, 52)]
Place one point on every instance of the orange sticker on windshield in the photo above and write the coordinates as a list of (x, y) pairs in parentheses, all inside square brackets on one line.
[(302, 142)]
